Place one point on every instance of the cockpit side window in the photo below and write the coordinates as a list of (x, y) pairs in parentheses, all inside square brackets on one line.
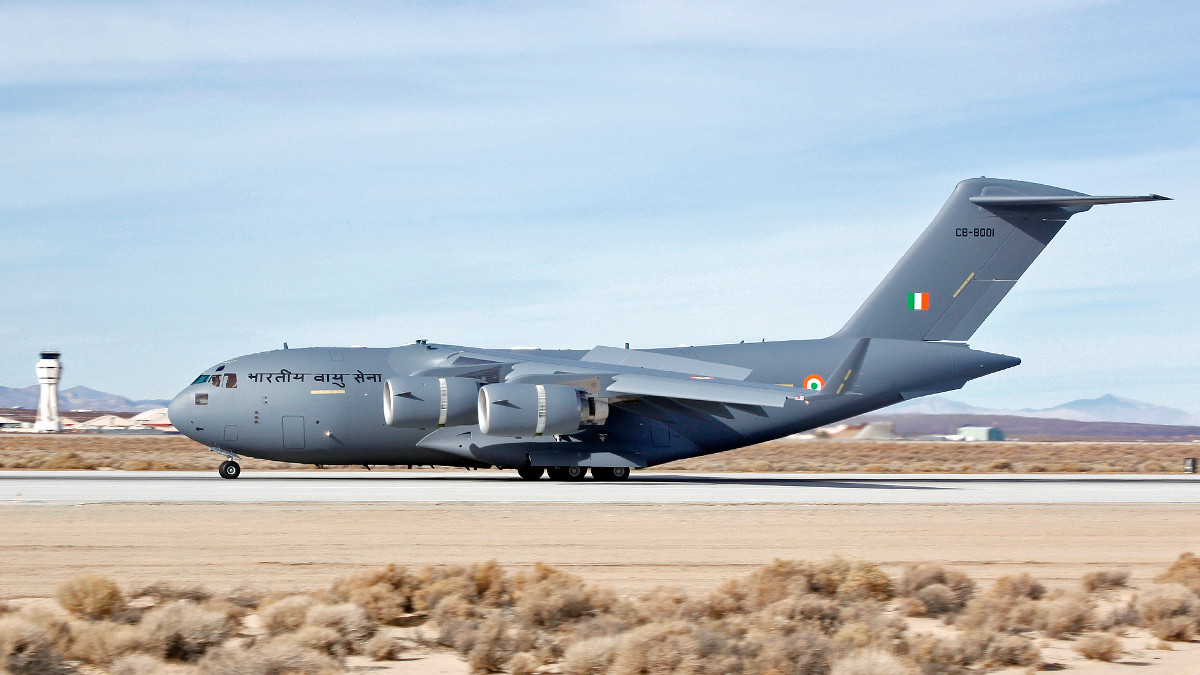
[(216, 380), (200, 380), (201, 399), (231, 380)]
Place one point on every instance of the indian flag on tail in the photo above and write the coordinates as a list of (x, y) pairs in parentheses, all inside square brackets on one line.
[(918, 301)]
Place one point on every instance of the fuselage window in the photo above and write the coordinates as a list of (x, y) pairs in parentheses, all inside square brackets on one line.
[(201, 399), (216, 380), (231, 380), (201, 379)]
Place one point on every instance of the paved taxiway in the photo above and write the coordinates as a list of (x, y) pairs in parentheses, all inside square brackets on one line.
[(427, 487)]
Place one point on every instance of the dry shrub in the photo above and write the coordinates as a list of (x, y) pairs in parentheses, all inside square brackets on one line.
[(525, 663), (769, 584), (938, 599), (383, 648), (1099, 647), (1069, 614), (321, 639), (1013, 650), (1184, 571), (90, 596), (27, 648), (286, 614), (350, 622), (865, 581), (938, 655), (387, 593), (547, 598), (1105, 580), (872, 662), (657, 648), (136, 664), (802, 652), (101, 642), (273, 658), (490, 649), (1017, 586), (485, 584), (182, 631), (1169, 611), (941, 590), (163, 592), (590, 657)]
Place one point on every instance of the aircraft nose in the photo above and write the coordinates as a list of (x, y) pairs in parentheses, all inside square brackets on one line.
[(179, 410)]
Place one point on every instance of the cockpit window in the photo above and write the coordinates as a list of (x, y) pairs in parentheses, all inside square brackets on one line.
[(201, 399), (201, 379), (231, 380), (216, 380)]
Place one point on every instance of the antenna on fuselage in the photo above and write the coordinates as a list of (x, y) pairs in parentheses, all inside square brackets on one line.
[(285, 345)]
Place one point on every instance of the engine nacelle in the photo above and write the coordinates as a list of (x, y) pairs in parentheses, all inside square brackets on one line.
[(536, 409), (424, 402)]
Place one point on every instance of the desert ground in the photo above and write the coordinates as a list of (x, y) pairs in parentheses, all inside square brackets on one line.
[(626, 550)]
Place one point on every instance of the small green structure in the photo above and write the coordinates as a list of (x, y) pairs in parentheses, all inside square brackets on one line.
[(981, 433)]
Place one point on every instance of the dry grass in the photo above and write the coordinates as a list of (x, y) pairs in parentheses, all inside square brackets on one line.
[(182, 631), (167, 452), (839, 456), (1105, 580)]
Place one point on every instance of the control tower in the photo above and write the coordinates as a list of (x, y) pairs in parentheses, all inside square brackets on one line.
[(49, 372)]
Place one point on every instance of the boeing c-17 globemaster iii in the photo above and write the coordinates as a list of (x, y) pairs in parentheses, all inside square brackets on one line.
[(610, 410)]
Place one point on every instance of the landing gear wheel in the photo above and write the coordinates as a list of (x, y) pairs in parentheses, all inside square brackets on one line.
[(569, 473), (229, 469), (610, 472), (531, 472)]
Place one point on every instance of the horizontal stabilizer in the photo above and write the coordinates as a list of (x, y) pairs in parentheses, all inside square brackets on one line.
[(1081, 203)]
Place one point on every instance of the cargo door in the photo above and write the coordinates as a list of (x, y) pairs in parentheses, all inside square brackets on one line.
[(293, 432)]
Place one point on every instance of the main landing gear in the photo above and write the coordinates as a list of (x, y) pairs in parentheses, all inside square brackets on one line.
[(576, 473), (229, 469)]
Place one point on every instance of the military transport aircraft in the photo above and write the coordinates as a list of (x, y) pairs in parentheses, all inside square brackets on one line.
[(609, 410)]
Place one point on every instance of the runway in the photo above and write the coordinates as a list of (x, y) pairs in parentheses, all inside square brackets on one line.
[(429, 487)]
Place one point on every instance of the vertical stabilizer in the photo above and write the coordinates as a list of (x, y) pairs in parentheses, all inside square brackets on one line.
[(966, 261)]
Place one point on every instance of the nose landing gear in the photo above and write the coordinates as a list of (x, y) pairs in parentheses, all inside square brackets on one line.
[(229, 469)]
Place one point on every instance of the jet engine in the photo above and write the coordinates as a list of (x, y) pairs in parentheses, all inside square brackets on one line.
[(536, 409), (423, 402)]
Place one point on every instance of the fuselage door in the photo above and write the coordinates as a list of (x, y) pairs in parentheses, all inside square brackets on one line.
[(293, 432)]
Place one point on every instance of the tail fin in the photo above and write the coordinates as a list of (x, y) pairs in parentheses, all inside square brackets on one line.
[(962, 266)]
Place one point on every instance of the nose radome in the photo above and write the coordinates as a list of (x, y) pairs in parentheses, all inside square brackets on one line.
[(179, 409)]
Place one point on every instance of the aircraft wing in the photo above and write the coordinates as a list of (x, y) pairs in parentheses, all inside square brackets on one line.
[(622, 374), (703, 389)]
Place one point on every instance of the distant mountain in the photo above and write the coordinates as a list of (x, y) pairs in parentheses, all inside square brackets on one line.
[(77, 398), (1107, 408)]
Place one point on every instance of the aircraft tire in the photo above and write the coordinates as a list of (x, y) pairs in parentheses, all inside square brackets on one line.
[(531, 472), (567, 473), (610, 473), (229, 469)]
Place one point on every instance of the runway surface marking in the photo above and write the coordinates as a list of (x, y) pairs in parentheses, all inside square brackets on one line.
[(428, 487)]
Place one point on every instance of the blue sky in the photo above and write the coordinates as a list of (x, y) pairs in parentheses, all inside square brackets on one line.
[(182, 183)]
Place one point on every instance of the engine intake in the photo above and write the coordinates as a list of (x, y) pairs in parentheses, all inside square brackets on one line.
[(536, 409), (422, 402)]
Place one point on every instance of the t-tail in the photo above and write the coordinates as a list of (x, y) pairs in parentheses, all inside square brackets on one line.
[(966, 261)]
